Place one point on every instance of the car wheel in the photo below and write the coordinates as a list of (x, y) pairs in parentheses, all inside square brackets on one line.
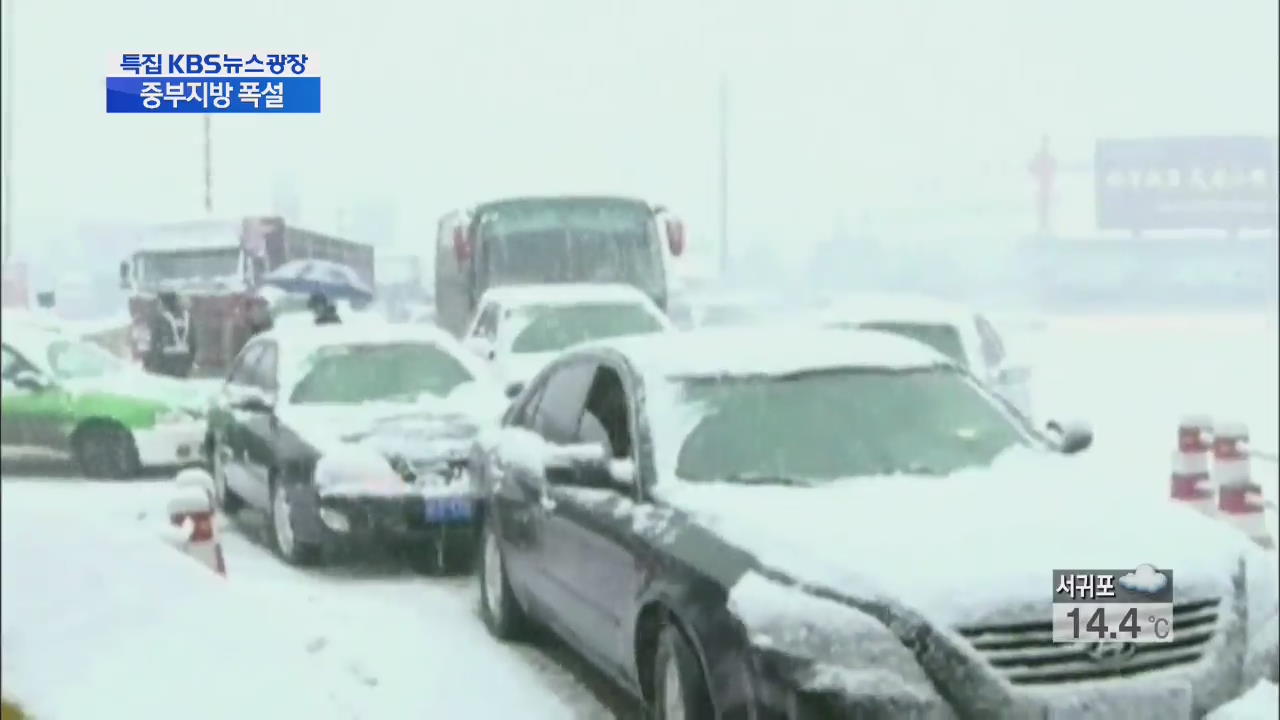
[(679, 689), (285, 540), (227, 500), (501, 611), (106, 450)]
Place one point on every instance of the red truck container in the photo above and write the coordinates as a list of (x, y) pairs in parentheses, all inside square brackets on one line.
[(217, 267)]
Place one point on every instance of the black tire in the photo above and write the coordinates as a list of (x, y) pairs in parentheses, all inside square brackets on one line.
[(227, 500), (288, 547), (502, 614), (679, 687), (106, 450)]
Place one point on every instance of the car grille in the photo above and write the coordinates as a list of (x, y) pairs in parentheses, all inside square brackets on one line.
[(1025, 654)]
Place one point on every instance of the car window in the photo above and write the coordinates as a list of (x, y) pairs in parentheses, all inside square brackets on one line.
[(75, 359), (607, 414), (241, 371), (523, 416), (553, 328), (560, 409), (993, 353), (12, 363)]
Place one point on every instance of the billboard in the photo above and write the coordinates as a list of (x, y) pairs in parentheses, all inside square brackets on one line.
[(1186, 183)]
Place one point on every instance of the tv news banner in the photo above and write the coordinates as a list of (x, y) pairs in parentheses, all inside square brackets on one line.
[(213, 83)]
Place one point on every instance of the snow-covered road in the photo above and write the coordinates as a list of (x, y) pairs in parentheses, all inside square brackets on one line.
[(415, 643)]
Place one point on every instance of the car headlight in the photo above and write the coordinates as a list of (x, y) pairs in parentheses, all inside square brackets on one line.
[(829, 652), (356, 466)]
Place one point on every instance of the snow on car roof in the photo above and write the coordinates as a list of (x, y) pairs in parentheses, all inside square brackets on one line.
[(310, 336), (563, 294), (297, 343), (772, 351), (890, 307)]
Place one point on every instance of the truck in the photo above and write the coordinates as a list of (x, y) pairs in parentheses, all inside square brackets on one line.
[(216, 267), (552, 239)]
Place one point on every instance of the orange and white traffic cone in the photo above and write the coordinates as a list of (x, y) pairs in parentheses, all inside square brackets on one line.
[(1190, 481), (191, 509), (1240, 500)]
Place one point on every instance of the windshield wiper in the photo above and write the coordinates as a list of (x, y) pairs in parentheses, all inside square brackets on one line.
[(764, 479)]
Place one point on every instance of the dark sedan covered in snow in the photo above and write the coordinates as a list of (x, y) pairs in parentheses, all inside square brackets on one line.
[(838, 525), (345, 432)]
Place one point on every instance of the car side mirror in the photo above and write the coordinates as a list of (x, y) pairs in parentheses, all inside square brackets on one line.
[(587, 465), (514, 389), (31, 380), (1071, 437)]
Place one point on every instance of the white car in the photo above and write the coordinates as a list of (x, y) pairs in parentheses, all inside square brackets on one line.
[(961, 333), (520, 328)]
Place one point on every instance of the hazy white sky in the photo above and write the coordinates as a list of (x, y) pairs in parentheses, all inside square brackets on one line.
[(838, 107)]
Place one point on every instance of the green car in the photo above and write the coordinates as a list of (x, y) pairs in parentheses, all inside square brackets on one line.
[(66, 395)]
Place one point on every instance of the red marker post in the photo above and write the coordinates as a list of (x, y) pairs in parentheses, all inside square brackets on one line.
[(1240, 501)]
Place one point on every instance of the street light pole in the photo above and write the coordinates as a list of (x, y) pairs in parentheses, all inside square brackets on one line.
[(9, 89), (724, 175), (208, 167)]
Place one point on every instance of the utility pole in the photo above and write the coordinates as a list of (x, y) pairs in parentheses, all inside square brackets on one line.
[(9, 89), (208, 166), (724, 175)]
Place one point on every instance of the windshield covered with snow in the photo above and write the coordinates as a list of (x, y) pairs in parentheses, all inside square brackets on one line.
[(569, 240), (555, 327), (824, 425), (70, 360), (363, 373), (940, 336), (156, 269)]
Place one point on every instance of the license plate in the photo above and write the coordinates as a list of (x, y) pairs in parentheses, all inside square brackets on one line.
[(1157, 702), (448, 509)]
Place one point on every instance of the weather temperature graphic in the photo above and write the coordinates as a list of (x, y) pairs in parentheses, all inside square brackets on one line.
[(1111, 610)]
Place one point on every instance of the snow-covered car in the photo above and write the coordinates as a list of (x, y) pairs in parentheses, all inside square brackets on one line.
[(66, 395), (349, 433), (725, 309), (812, 523), (520, 328), (961, 333)]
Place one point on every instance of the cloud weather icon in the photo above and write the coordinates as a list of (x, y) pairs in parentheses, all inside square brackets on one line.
[(1144, 579)]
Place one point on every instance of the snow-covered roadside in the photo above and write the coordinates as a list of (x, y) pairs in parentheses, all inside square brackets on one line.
[(101, 619), (1260, 703)]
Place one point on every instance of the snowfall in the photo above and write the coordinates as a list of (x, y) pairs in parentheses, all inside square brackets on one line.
[(103, 618)]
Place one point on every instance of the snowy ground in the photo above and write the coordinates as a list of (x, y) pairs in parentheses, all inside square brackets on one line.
[(385, 641)]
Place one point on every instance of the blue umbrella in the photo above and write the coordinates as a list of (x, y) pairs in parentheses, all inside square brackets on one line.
[(333, 279)]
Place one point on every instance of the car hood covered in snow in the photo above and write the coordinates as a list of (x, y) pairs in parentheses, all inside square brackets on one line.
[(971, 548), (428, 431)]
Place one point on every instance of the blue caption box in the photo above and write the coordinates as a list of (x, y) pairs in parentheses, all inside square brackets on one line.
[(282, 95)]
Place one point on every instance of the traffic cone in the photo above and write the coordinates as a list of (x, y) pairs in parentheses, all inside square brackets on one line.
[(191, 508), (1239, 498), (1190, 481)]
